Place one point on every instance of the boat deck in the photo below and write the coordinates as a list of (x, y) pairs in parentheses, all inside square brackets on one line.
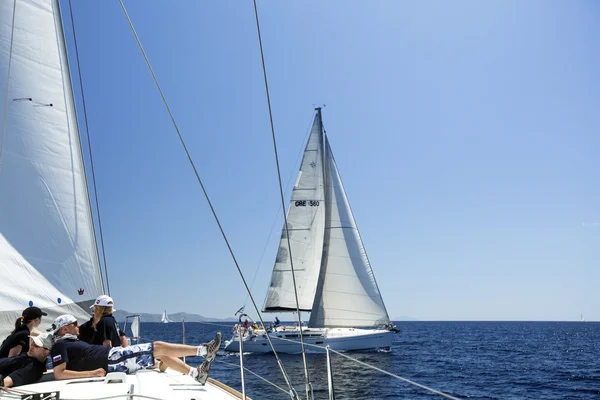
[(168, 385)]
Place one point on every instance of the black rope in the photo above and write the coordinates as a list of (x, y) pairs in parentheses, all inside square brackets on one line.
[(10, 53), (191, 161), (87, 133), (285, 224)]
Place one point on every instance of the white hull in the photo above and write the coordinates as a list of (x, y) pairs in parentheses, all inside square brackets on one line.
[(168, 385), (287, 340)]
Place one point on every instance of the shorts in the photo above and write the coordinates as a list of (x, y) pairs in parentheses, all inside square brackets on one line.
[(131, 358)]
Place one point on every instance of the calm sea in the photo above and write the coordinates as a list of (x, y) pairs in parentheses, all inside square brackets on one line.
[(470, 360)]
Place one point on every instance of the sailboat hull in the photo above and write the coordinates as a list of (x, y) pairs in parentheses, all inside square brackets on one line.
[(287, 340)]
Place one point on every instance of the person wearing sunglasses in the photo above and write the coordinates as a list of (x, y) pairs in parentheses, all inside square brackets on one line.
[(26, 368)]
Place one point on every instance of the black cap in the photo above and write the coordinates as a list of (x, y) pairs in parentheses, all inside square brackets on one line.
[(32, 313)]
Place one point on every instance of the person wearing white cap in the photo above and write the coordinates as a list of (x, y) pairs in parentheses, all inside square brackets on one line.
[(102, 328), (18, 342), (26, 368), (73, 358)]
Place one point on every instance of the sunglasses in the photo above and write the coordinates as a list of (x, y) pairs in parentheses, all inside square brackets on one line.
[(73, 323)]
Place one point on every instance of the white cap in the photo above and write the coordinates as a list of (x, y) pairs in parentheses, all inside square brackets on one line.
[(43, 340), (105, 301), (60, 321)]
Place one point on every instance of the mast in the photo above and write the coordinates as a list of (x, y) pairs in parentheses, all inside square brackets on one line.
[(317, 304)]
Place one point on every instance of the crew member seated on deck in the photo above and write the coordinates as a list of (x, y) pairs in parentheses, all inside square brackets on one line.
[(26, 368), (73, 358), (18, 340), (276, 323)]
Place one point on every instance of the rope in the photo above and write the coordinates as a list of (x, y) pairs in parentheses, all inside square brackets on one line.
[(255, 374), (200, 182), (277, 214), (285, 224), (375, 368), (87, 133), (10, 53)]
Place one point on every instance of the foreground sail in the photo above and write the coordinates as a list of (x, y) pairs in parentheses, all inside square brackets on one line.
[(47, 244), (334, 278), (48, 255)]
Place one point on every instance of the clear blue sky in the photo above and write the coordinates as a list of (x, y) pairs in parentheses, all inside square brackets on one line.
[(466, 133)]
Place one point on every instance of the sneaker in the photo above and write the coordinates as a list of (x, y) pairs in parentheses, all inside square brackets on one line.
[(203, 370), (212, 347)]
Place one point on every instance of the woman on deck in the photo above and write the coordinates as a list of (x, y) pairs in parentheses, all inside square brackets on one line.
[(18, 340)]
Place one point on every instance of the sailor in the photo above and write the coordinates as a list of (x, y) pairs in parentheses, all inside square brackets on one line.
[(26, 368), (18, 340), (276, 323), (102, 328), (73, 358)]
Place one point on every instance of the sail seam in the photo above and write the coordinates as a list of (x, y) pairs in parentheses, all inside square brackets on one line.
[(12, 34)]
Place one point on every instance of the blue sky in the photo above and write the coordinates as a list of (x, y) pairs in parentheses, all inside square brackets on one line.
[(466, 134)]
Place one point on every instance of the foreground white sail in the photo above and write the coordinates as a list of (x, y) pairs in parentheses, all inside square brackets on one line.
[(333, 274), (45, 217), (48, 255)]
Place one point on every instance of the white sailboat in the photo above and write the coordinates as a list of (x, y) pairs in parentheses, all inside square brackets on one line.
[(48, 255), (164, 319), (335, 282)]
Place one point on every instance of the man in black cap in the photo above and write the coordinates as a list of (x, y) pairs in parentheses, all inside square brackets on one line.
[(26, 368), (18, 340)]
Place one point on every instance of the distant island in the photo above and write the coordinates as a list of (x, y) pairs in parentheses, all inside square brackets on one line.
[(175, 317)]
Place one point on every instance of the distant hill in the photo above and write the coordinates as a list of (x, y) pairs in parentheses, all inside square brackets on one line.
[(404, 318), (175, 317)]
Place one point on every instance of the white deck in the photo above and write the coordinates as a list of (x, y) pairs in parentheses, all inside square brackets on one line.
[(168, 385)]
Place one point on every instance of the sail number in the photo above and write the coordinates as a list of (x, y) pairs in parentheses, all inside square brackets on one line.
[(304, 203)]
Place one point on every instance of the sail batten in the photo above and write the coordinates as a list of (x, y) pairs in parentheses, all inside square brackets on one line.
[(45, 214)]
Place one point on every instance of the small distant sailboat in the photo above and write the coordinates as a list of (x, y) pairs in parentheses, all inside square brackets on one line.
[(582, 319), (164, 319)]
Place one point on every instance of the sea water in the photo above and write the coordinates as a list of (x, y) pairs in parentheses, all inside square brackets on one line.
[(468, 360)]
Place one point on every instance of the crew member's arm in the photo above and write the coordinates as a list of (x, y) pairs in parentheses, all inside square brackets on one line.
[(61, 372)]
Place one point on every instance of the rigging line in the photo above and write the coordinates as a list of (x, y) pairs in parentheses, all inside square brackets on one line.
[(395, 376), (287, 186), (87, 133), (214, 213), (253, 373), (376, 369), (285, 224), (10, 53)]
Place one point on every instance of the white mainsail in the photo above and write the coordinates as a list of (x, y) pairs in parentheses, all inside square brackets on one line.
[(306, 222), (45, 217)]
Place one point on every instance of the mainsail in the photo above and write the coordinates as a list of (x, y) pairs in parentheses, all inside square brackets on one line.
[(334, 277), (47, 242), (306, 222)]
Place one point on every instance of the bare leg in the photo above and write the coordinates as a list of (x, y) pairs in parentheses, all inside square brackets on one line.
[(162, 349), (175, 364)]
